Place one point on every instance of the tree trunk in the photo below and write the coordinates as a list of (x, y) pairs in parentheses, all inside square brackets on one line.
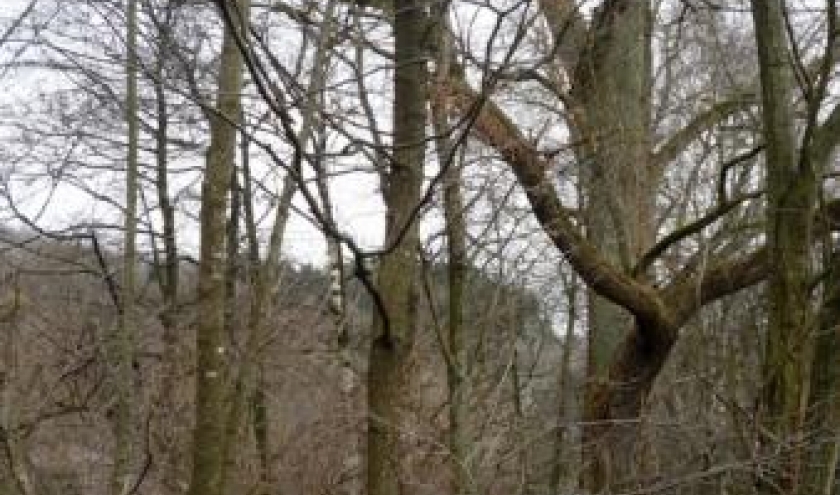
[(791, 197), (212, 372), (123, 340), (612, 122), (457, 372), (247, 387), (393, 330), (167, 271), (824, 405), (561, 465), (16, 475), (612, 438)]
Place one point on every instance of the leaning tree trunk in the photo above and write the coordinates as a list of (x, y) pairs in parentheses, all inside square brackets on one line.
[(394, 327), (612, 122), (212, 373), (791, 197)]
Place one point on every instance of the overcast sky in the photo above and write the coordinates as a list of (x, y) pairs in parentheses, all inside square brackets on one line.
[(358, 208)]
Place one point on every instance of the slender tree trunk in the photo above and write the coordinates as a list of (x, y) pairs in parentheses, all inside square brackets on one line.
[(317, 137), (212, 373), (168, 276), (791, 198), (123, 340), (517, 388), (457, 372), (394, 330), (259, 403), (12, 440), (561, 465), (247, 387)]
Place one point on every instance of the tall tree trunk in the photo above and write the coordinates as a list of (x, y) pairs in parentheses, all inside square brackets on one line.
[(167, 271), (247, 386), (393, 331), (212, 372), (259, 402), (791, 198), (523, 471), (561, 464), (612, 122), (824, 407), (458, 370), (232, 327), (123, 346)]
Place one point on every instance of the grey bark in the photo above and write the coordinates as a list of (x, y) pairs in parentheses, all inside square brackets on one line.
[(213, 367), (791, 199), (393, 331), (123, 338)]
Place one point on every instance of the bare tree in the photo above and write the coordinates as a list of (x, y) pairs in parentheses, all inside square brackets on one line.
[(213, 372)]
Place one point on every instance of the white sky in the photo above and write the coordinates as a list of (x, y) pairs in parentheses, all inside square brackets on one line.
[(357, 207)]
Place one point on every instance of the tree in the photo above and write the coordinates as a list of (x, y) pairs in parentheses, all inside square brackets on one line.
[(792, 180), (123, 339), (791, 186), (394, 327), (213, 375), (630, 140), (824, 398), (611, 80)]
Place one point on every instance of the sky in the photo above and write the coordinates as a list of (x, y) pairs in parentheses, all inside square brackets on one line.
[(357, 207), (356, 197)]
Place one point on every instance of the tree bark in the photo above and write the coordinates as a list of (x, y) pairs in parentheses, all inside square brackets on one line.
[(458, 369), (167, 270), (17, 475), (561, 466), (612, 82), (791, 199), (123, 340), (212, 371), (393, 331), (824, 405)]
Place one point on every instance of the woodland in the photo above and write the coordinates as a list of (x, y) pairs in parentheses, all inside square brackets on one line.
[(419, 247)]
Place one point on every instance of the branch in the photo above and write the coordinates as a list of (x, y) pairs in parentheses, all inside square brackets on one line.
[(701, 123), (568, 29), (667, 308), (686, 294), (825, 138), (7, 34), (688, 230), (496, 129)]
